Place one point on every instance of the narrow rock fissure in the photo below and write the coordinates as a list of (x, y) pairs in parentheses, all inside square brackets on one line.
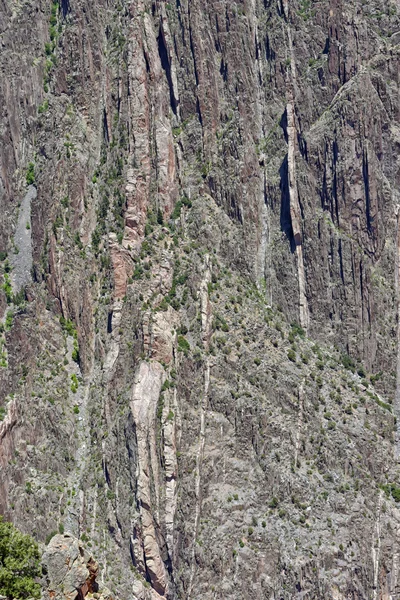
[(367, 192), (65, 8), (106, 134), (165, 63)]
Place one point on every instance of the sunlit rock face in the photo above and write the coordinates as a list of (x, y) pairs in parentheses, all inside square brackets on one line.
[(199, 303)]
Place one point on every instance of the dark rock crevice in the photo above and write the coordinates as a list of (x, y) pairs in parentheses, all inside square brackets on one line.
[(165, 63), (367, 193)]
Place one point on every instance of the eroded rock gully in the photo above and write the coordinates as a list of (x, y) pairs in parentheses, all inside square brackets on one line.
[(199, 341)]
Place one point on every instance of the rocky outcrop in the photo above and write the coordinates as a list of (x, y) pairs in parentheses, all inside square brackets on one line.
[(70, 571)]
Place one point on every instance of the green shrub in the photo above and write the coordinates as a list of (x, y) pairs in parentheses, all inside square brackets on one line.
[(298, 330), (9, 319), (75, 351), (30, 174), (74, 383), (96, 238), (166, 385), (384, 405), (19, 563), (181, 279), (7, 288), (43, 107), (19, 298), (348, 362), (178, 207), (183, 344), (138, 272), (68, 326), (396, 493), (305, 359), (391, 490), (221, 324), (75, 354), (291, 355)]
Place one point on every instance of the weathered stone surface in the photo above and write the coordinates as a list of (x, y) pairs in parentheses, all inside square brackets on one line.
[(201, 374), (70, 570)]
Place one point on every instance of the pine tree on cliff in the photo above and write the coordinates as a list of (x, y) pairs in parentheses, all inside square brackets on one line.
[(19, 563)]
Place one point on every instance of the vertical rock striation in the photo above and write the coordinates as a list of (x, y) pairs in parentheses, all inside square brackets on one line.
[(199, 256)]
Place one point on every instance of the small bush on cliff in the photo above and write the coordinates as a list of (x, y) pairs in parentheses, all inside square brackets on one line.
[(176, 213), (30, 174), (348, 362), (74, 383), (391, 490), (19, 563), (183, 345), (9, 320), (7, 288)]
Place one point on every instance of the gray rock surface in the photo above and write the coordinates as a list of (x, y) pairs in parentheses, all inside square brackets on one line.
[(203, 379), (70, 570), (21, 256)]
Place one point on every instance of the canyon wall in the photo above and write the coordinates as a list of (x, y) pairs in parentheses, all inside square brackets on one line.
[(199, 244)]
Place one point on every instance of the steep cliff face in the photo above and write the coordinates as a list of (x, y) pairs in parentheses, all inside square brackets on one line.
[(199, 244)]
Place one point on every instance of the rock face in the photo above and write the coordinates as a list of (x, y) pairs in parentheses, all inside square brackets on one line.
[(199, 301), (70, 571)]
